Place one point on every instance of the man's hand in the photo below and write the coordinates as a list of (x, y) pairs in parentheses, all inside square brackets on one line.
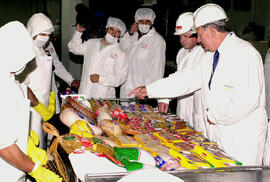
[(163, 107), (94, 78), (134, 28), (75, 83), (79, 28), (139, 92)]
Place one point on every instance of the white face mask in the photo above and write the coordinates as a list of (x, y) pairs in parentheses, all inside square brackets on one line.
[(40, 41), (111, 39), (144, 28)]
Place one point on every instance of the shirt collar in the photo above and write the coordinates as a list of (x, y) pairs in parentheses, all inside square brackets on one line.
[(224, 43)]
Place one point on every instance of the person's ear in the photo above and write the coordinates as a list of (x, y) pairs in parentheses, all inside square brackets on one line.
[(212, 31)]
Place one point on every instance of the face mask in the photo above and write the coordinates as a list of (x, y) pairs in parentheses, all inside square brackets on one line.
[(144, 28), (40, 41), (111, 39)]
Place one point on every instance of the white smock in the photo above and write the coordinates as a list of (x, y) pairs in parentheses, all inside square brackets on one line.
[(107, 61), (16, 47), (189, 107), (236, 101), (39, 74), (146, 59), (266, 159), (60, 71)]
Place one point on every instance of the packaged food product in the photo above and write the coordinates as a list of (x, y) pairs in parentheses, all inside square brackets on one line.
[(110, 128), (169, 137), (217, 157), (166, 162), (82, 129), (189, 160), (183, 146), (126, 141), (68, 116)]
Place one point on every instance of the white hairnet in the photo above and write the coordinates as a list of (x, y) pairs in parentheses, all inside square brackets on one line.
[(39, 23), (145, 13), (16, 47), (115, 22)]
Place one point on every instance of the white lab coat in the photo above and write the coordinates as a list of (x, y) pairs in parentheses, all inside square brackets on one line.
[(236, 101), (189, 107), (39, 74), (146, 59), (266, 159), (267, 81), (14, 103), (108, 62), (60, 71)]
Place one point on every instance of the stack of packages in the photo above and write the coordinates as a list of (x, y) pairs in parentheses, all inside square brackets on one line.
[(137, 136)]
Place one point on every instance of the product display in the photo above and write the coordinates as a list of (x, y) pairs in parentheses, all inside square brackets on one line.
[(117, 132)]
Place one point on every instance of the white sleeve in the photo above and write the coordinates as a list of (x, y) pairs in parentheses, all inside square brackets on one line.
[(60, 69), (119, 76), (181, 83), (126, 41), (75, 45), (267, 81)]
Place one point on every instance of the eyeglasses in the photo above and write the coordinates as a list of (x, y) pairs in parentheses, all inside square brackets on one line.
[(114, 31)]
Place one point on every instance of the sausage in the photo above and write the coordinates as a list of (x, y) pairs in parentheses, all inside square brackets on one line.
[(90, 115)]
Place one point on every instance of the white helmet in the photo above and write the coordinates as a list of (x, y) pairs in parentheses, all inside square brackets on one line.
[(184, 23), (208, 13)]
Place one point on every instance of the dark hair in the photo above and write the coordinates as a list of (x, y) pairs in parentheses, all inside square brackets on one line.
[(194, 35), (83, 17), (219, 25)]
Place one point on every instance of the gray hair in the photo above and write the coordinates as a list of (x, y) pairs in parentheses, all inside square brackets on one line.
[(219, 25)]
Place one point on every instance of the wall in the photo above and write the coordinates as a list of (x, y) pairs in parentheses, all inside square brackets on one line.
[(20, 10), (74, 66)]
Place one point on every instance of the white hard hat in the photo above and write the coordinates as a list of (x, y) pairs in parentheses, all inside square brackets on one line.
[(116, 22), (145, 13), (208, 13), (184, 24)]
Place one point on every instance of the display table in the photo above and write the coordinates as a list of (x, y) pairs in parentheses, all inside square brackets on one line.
[(232, 174)]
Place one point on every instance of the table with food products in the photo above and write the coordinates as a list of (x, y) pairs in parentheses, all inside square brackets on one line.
[(110, 138)]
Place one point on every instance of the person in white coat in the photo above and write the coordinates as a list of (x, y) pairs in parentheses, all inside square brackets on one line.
[(16, 50), (39, 73), (105, 66), (232, 83), (266, 160), (145, 49), (189, 107)]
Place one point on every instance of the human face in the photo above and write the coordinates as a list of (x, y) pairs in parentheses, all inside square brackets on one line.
[(41, 34), (187, 41), (145, 22), (115, 32), (206, 38)]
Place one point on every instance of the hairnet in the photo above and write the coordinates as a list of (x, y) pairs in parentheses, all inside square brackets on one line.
[(145, 13), (16, 47), (39, 23), (115, 22)]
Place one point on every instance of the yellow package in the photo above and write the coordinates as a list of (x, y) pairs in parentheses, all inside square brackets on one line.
[(169, 137), (189, 160), (216, 157), (82, 129)]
